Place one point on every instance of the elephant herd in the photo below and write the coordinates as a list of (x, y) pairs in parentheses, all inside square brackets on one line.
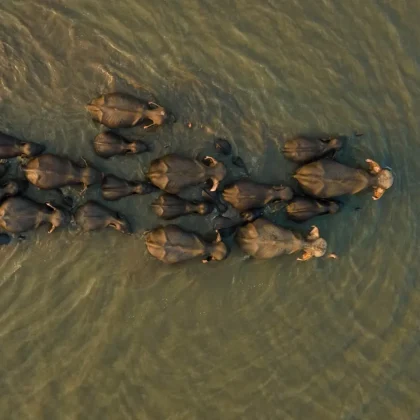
[(320, 177)]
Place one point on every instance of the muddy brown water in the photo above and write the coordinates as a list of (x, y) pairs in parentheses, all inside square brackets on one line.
[(91, 327)]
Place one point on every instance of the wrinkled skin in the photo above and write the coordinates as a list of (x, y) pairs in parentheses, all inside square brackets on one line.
[(303, 150), (51, 171), (172, 173), (301, 209), (18, 214), (246, 194), (171, 244), (11, 147), (263, 240), (119, 110), (114, 188), (169, 206), (110, 144), (94, 216), (327, 178)]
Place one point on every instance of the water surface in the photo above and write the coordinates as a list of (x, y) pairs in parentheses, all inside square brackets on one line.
[(92, 328)]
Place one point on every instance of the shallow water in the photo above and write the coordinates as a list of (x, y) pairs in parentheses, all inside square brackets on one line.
[(92, 328)]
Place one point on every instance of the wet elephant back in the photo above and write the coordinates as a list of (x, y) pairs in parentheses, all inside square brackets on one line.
[(169, 206), (120, 118), (173, 173), (93, 216), (19, 215), (128, 102), (244, 195), (262, 239), (171, 244), (117, 110), (303, 150), (49, 171), (114, 188), (301, 209), (183, 172), (109, 144), (327, 178)]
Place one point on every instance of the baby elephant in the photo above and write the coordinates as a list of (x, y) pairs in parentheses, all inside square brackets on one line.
[(114, 188), (172, 173), (171, 244), (119, 110), (327, 178), (18, 214), (51, 171), (110, 144), (11, 147), (94, 216), (246, 194), (305, 149), (301, 209), (169, 206), (262, 239)]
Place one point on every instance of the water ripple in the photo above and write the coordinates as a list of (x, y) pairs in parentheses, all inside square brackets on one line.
[(92, 326)]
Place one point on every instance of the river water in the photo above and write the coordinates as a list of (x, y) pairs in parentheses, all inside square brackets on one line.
[(93, 328)]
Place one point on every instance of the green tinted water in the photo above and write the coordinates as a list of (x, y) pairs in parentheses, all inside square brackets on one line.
[(92, 328)]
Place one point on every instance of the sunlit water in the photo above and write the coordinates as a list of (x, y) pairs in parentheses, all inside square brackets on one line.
[(93, 328)]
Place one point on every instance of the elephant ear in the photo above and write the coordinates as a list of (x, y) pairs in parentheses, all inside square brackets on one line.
[(378, 192), (209, 161), (305, 257), (313, 234), (218, 238), (374, 168)]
